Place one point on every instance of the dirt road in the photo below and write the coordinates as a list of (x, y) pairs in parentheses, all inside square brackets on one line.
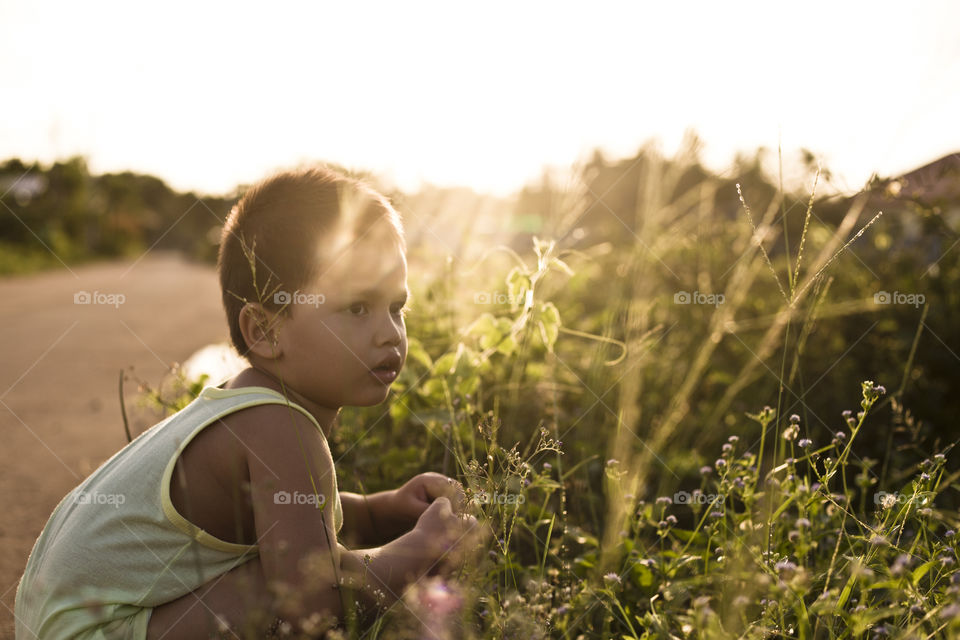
[(59, 363)]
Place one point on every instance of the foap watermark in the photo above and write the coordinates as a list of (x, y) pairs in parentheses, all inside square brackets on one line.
[(885, 297), (499, 297), (483, 497), (99, 297), (285, 497), (698, 497), (93, 497), (686, 297), (298, 297), (888, 500)]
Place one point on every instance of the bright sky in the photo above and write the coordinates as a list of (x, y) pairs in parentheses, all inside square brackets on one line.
[(207, 95)]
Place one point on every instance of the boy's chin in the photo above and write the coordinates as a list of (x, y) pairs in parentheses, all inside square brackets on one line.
[(372, 399)]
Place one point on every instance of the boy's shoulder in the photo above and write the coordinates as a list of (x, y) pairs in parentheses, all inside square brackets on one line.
[(269, 424)]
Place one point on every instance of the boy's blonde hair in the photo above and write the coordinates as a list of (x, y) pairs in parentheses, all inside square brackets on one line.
[(286, 223)]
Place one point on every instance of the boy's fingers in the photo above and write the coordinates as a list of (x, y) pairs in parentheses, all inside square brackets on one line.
[(440, 485), (440, 506)]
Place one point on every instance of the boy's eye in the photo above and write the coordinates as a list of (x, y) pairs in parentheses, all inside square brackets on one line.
[(399, 309), (358, 308)]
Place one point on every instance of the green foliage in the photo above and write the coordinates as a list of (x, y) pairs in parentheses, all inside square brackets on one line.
[(62, 215), (581, 400), (783, 535)]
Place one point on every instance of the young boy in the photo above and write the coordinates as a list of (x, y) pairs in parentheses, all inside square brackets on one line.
[(226, 516)]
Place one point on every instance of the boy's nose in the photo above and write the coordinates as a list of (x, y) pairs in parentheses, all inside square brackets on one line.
[(390, 331)]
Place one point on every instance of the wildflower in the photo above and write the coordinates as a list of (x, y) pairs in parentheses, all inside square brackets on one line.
[(949, 533), (790, 433), (878, 540), (946, 561), (901, 564), (940, 458), (733, 439), (547, 466), (804, 443), (739, 483), (741, 601), (664, 500), (716, 514), (612, 462), (950, 612), (871, 393), (562, 609), (611, 578), (720, 463), (439, 602), (846, 414), (785, 566), (926, 512), (671, 520), (793, 536), (727, 448), (860, 570), (802, 522), (706, 470), (794, 419), (888, 500), (924, 477), (841, 436)]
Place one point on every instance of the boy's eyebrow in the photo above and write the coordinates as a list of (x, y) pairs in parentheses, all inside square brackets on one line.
[(366, 293)]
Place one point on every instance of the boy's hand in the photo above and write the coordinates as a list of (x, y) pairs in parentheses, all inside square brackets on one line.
[(414, 497), (448, 538)]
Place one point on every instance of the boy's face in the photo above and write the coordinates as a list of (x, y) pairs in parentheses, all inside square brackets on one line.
[(345, 339)]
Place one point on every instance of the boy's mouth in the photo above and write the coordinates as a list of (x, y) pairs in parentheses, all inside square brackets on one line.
[(387, 369)]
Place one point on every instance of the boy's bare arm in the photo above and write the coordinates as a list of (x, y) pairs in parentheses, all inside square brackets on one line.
[(289, 463), (291, 492), (375, 519)]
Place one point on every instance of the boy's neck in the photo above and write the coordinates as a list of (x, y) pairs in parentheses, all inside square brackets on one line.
[(254, 376)]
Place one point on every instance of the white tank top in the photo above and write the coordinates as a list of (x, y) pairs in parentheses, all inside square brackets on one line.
[(117, 539)]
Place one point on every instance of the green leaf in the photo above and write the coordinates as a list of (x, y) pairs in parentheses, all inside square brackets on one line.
[(921, 571), (486, 328), (447, 363), (432, 390), (467, 385), (842, 600), (507, 345), (641, 575), (549, 324), (416, 351), (518, 283), (562, 266)]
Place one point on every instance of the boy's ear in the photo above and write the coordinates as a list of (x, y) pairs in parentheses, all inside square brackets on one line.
[(259, 329)]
